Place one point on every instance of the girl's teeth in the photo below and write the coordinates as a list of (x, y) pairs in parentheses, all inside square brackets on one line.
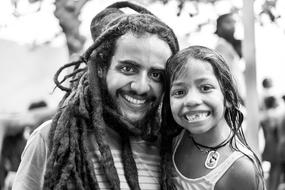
[(134, 101), (197, 116)]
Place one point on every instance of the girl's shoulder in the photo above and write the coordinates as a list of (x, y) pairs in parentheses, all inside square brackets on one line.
[(243, 174)]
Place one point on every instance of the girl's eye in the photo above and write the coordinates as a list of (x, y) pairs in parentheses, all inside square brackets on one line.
[(206, 88)]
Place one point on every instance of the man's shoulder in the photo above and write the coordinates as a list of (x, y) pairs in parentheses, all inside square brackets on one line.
[(43, 130)]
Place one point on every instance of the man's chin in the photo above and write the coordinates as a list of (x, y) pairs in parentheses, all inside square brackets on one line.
[(134, 118)]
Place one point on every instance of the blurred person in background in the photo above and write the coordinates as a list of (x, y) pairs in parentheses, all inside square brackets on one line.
[(270, 123), (281, 148), (231, 49), (272, 114), (17, 130)]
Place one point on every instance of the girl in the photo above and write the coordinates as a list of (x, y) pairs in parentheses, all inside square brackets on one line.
[(202, 138)]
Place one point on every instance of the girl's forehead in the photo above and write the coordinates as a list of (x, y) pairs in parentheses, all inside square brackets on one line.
[(194, 67)]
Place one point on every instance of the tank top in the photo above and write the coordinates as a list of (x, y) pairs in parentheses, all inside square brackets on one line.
[(206, 182)]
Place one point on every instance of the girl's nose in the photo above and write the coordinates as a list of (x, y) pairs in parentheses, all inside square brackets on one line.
[(193, 98)]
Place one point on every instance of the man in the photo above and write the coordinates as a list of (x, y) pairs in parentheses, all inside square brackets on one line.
[(104, 134)]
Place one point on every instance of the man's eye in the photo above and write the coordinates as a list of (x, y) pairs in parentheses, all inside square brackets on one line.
[(177, 93), (127, 69), (157, 76)]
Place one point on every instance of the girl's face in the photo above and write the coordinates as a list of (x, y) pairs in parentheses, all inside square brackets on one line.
[(196, 99)]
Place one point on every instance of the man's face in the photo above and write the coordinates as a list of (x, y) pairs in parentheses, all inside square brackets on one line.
[(135, 76)]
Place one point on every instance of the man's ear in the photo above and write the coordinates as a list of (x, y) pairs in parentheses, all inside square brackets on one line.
[(227, 104), (100, 72)]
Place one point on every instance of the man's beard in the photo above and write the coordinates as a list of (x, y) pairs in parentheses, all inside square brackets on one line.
[(148, 122)]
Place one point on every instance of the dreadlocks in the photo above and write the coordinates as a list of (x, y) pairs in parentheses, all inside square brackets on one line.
[(81, 120)]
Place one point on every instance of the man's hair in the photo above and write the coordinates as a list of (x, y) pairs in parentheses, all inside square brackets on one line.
[(81, 119)]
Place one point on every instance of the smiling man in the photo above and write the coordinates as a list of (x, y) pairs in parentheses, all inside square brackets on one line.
[(104, 134), (135, 76)]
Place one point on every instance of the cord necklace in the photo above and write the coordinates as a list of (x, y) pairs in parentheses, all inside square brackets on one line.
[(213, 155)]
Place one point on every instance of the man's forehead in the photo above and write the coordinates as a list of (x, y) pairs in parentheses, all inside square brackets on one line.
[(146, 50)]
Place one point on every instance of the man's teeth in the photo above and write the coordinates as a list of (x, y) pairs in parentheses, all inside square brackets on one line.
[(197, 116), (134, 101)]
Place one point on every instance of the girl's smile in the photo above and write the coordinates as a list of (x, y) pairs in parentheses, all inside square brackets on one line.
[(196, 116), (196, 99)]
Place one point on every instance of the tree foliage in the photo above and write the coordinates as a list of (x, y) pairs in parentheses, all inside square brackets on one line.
[(68, 11)]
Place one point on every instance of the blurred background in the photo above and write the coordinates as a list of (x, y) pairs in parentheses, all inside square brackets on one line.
[(39, 36)]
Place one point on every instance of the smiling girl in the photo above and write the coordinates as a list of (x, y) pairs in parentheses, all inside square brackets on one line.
[(202, 138)]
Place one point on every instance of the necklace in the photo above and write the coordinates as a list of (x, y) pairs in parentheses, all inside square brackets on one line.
[(213, 155)]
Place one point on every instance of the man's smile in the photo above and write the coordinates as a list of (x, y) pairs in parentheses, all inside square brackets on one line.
[(131, 101), (134, 100)]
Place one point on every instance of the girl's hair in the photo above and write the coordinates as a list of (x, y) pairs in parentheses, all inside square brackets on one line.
[(82, 117), (174, 68)]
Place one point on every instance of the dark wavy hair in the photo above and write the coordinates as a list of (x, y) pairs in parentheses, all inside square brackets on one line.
[(82, 116), (233, 116)]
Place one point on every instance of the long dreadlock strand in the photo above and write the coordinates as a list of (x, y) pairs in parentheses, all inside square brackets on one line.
[(68, 165), (72, 74), (53, 128), (88, 169), (166, 164), (80, 107), (55, 79), (82, 110), (83, 104), (99, 128), (129, 164), (59, 137)]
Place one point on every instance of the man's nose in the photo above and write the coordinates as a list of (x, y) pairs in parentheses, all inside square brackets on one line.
[(141, 84), (193, 98)]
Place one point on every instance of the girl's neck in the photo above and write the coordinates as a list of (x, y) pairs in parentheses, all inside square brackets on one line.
[(214, 136)]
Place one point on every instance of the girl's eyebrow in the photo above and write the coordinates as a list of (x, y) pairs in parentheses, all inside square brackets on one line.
[(199, 80), (206, 79)]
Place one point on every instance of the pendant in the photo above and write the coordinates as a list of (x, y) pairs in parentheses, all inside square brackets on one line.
[(212, 159)]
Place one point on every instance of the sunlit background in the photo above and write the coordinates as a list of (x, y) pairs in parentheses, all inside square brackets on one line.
[(32, 45)]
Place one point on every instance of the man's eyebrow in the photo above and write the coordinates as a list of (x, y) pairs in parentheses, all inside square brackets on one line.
[(177, 83), (130, 62), (136, 64)]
